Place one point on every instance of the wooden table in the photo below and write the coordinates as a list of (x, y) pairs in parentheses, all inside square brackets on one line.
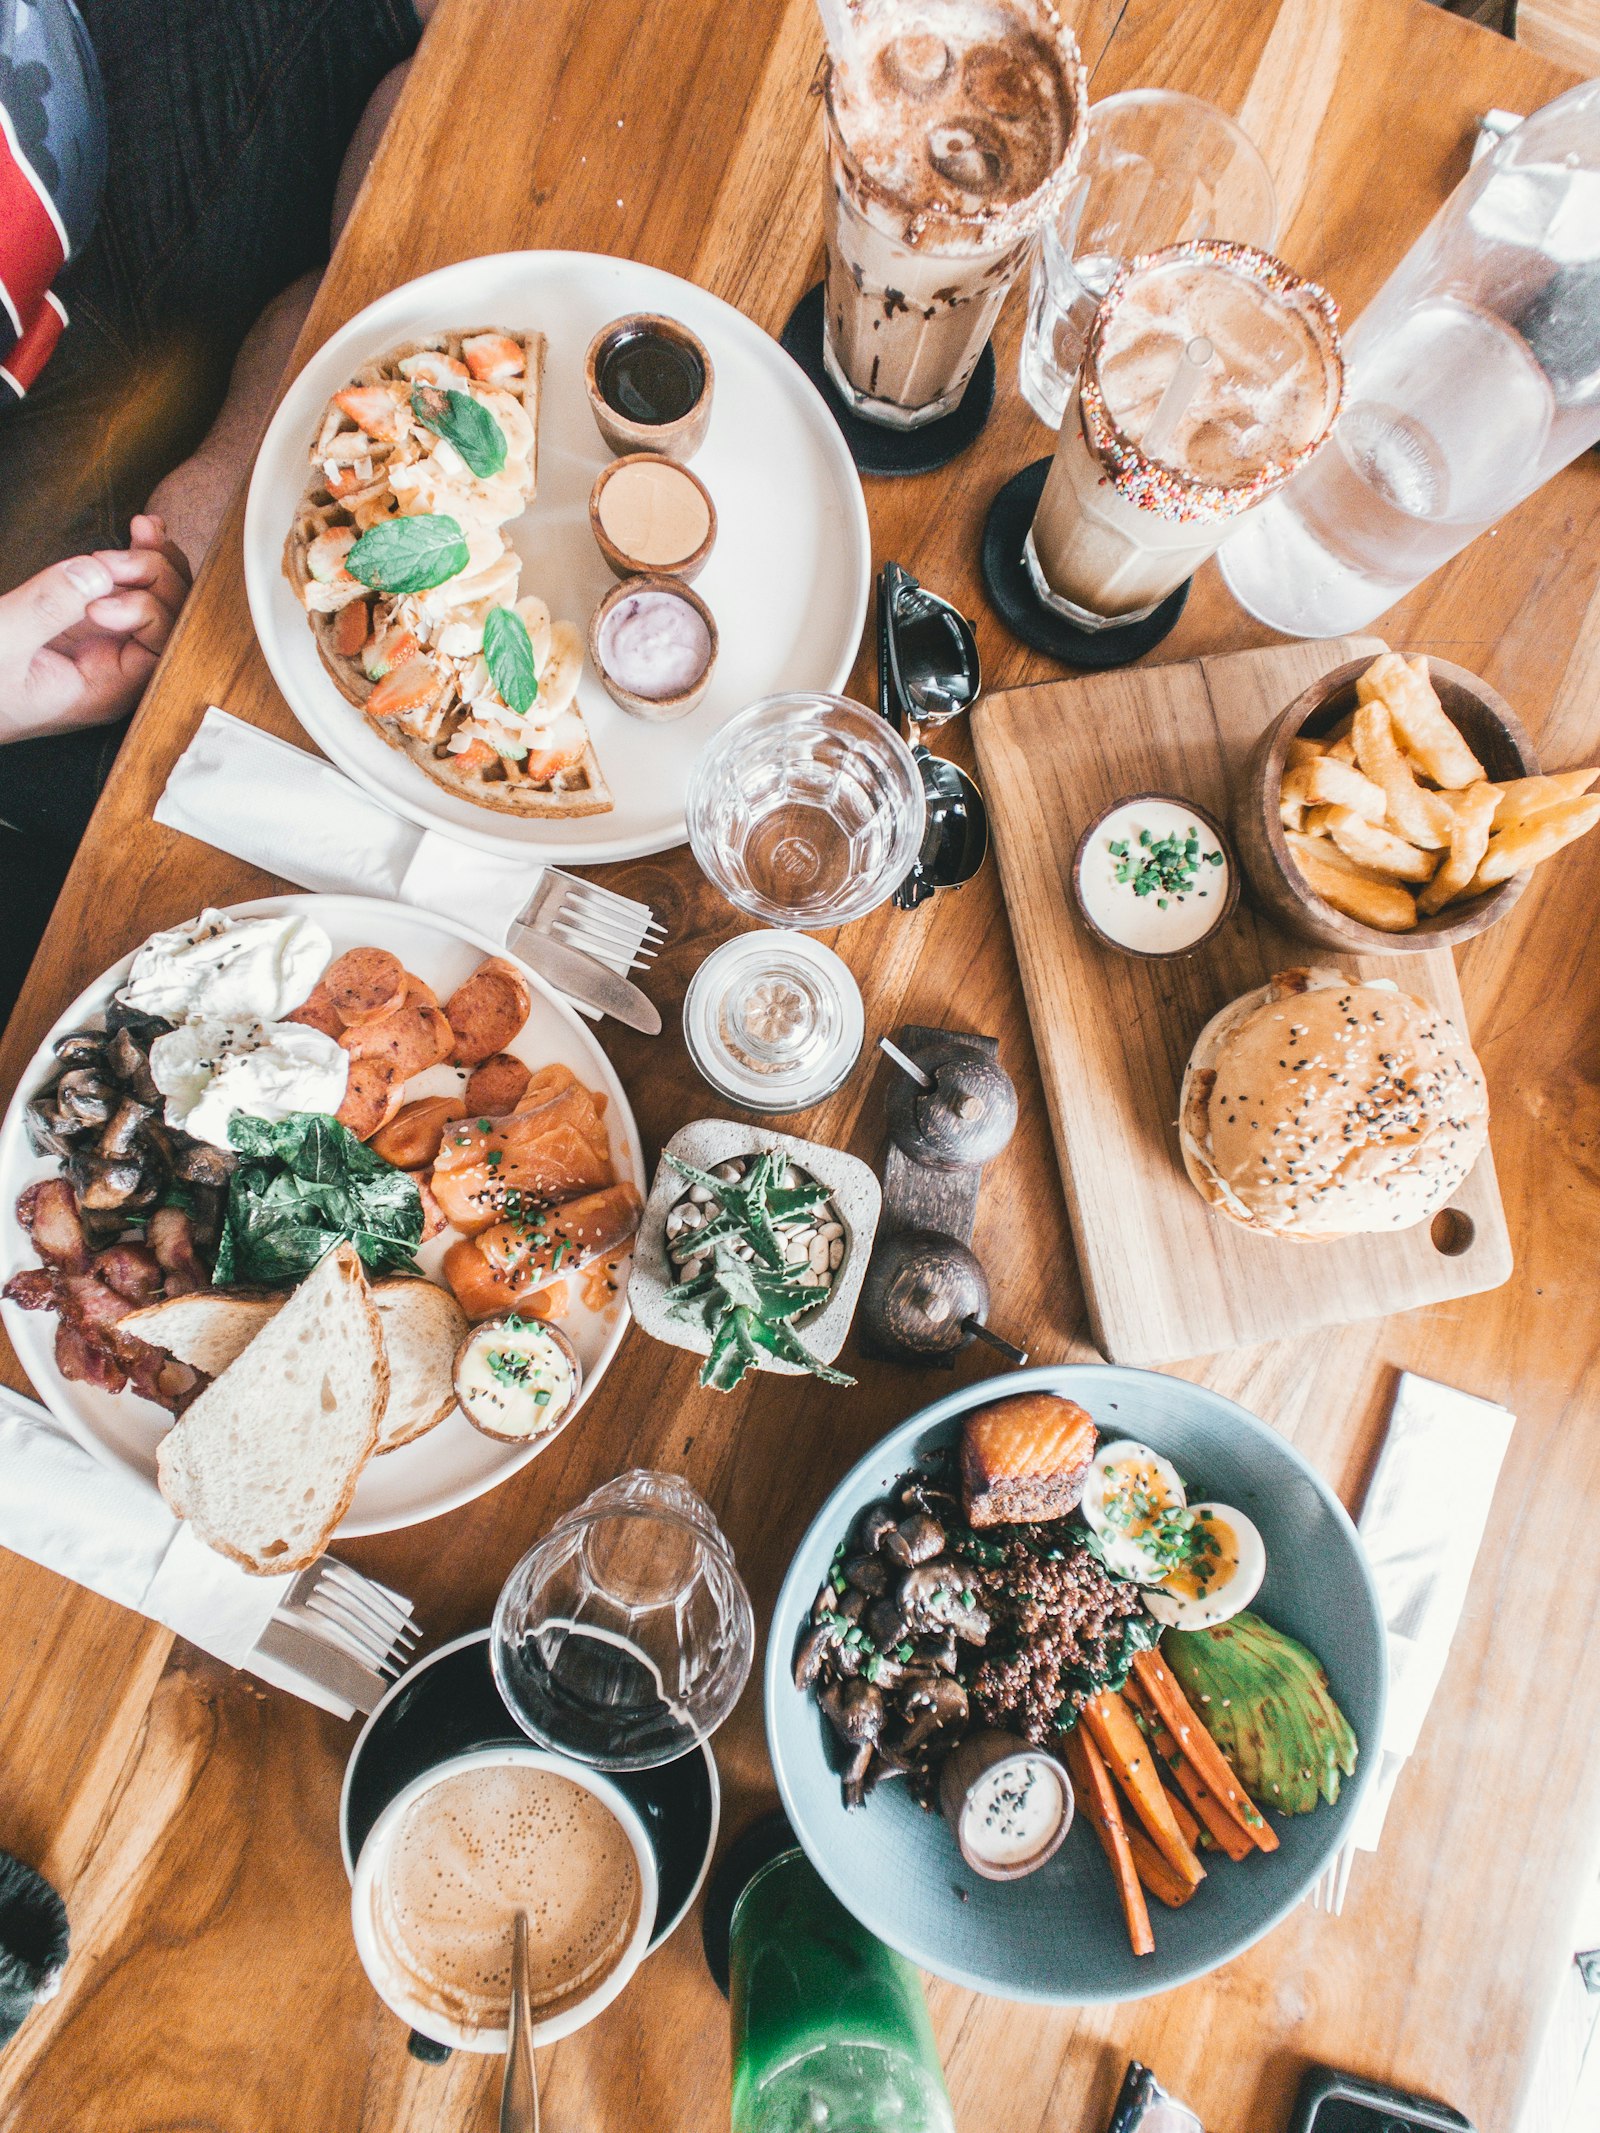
[(190, 1817)]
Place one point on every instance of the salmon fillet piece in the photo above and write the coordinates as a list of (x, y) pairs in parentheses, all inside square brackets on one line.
[(553, 1147), (1025, 1458), (503, 1267)]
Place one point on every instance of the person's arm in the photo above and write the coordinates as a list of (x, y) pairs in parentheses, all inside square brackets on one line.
[(79, 641)]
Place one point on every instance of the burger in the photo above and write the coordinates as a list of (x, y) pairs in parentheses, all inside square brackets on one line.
[(1324, 1106)]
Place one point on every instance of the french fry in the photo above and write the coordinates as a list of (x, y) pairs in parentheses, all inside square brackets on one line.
[(1303, 750), (1097, 1798), (1324, 781), (1522, 797), (1420, 723), (1469, 841), (1343, 750), (1369, 844), (1514, 850), (1419, 816), (1375, 899)]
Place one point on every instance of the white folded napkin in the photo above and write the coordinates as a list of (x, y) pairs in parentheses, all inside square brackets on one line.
[(290, 813), (110, 1530), (1421, 1527)]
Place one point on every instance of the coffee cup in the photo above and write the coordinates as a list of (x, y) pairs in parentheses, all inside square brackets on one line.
[(500, 1825)]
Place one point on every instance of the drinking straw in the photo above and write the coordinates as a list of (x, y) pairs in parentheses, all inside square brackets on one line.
[(1181, 387)]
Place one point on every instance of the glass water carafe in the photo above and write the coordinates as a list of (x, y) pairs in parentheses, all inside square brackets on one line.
[(1474, 375)]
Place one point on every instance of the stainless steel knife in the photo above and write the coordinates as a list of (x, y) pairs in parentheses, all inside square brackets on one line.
[(571, 971)]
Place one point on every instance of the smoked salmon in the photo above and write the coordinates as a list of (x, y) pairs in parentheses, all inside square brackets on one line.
[(503, 1267), (553, 1147), (1025, 1458)]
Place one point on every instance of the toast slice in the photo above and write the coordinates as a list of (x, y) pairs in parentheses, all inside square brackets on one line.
[(208, 1330), (265, 1462), (423, 1326)]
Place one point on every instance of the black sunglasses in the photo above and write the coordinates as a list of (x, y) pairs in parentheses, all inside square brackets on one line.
[(928, 673)]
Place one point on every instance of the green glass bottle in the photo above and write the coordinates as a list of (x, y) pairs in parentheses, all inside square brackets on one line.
[(830, 2028)]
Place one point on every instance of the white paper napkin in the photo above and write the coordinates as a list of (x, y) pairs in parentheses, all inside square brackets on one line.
[(110, 1530), (248, 793), (1422, 1526)]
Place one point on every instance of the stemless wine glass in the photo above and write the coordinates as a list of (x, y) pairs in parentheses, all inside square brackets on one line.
[(1157, 168), (806, 810), (625, 1636)]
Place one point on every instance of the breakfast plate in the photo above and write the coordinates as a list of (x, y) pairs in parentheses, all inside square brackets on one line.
[(787, 580), (452, 1462), (1057, 1935)]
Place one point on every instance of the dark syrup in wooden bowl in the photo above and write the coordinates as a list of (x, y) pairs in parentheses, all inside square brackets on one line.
[(645, 377)]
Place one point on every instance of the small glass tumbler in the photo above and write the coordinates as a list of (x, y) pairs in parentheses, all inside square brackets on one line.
[(625, 1636), (806, 811), (1157, 168)]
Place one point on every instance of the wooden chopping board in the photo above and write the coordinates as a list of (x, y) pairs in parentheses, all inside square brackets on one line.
[(1166, 1279)]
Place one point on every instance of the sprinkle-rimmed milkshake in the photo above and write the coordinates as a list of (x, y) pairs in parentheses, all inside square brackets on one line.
[(953, 127), (1140, 494)]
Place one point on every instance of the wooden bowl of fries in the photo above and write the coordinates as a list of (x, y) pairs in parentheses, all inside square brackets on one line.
[(1397, 805)]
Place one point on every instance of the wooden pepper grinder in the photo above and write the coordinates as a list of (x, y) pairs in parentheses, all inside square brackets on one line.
[(952, 1108)]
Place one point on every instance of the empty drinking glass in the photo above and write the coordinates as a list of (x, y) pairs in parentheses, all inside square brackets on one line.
[(626, 1635), (806, 810), (1158, 168)]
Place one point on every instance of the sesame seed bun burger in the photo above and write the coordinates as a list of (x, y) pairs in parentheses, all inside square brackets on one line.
[(1323, 1106)]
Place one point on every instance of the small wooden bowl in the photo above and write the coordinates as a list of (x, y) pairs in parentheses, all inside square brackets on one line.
[(660, 709), (678, 440), (624, 565), (1224, 911), (1491, 729)]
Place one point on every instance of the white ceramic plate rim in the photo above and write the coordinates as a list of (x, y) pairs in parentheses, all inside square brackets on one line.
[(15, 1156), (778, 1678), (367, 333), (482, 1636)]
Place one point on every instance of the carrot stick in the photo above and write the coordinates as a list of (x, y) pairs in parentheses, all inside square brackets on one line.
[(1238, 1843), (1199, 1750), (1156, 1874), (1183, 1814), (1099, 1800), (1132, 1761)]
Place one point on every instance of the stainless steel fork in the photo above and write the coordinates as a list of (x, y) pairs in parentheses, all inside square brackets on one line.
[(374, 1625), (616, 930)]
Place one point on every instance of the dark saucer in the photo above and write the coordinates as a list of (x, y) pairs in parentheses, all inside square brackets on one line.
[(447, 1705), (874, 449), (1010, 590)]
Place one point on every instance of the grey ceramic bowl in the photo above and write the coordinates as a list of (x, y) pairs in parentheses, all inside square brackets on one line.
[(1058, 1935)]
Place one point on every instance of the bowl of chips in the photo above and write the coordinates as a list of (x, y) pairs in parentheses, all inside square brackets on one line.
[(1397, 804)]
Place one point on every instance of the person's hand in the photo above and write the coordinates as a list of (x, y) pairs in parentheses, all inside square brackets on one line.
[(79, 641)]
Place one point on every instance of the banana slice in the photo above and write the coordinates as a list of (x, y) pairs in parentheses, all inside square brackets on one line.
[(560, 671), (536, 619)]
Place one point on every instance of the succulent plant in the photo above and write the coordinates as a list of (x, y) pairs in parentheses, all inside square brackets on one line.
[(747, 1293)]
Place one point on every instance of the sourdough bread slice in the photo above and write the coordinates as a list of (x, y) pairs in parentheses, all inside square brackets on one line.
[(423, 1326), (265, 1462), (209, 1330)]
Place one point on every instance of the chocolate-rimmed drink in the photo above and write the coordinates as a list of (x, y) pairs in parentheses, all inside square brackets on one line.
[(1211, 375), (953, 128), (454, 1857)]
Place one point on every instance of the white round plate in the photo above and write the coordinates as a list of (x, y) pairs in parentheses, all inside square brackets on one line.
[(787, 580), (454, 1462)]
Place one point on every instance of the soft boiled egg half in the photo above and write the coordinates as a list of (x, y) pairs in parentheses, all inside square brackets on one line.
[(1201, 1563)]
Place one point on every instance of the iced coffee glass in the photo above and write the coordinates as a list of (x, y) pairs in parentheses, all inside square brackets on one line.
[(953, 128), (1211, 375)]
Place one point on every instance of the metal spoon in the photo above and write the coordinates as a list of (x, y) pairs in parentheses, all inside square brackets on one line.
[(519, 2097)]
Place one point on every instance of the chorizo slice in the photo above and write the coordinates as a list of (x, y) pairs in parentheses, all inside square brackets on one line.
[(372, 1095), (496, 1086), (486, 1012), (319, 1012), (406, 1041), (411, 1138), (365, 984)]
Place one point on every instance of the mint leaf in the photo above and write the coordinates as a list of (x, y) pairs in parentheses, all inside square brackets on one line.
[(409, 555), (464, 422), (508, 652)]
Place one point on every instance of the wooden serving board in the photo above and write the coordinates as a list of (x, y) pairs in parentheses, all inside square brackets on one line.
[(1165, 1278)]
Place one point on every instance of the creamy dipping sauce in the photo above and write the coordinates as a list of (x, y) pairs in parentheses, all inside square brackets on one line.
[(654, 512), (1013, 1811), (515, 1377), (1154, 877), (654, 645)]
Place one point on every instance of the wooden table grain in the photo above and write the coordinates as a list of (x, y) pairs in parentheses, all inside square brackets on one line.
[(190, 1816)]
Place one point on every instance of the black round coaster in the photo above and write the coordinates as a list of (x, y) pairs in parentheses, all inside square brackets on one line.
[(874, 449), (1011, 593), (448, 1705), (750, 1851)]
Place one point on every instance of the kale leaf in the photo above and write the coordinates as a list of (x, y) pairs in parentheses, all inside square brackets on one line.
[(304, 1184)]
